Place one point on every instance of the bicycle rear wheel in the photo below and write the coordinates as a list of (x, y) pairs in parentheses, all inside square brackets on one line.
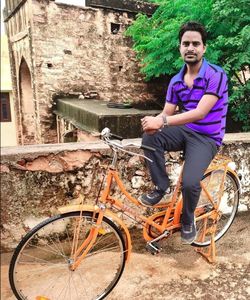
[(227, 208), (39, 268)]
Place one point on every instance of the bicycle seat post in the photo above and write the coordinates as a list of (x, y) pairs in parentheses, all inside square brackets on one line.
[(114, 160)]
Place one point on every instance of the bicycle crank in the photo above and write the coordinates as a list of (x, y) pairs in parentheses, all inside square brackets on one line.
[(153, 246)]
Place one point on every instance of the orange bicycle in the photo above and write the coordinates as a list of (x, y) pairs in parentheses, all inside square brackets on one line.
[(81, 252)]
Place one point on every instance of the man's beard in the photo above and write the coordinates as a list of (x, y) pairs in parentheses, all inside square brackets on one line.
[(193, 62)]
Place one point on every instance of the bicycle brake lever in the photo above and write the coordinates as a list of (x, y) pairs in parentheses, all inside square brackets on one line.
[(133, 153), (146, 158), (95, 134)]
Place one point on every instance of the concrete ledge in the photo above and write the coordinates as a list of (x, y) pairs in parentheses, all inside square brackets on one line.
[(243, 137), (125, 5), (11, 152), (94, 115)]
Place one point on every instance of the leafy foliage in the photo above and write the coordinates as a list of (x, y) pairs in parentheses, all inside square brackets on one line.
[(230, 33), (240, 104), (228, 24)]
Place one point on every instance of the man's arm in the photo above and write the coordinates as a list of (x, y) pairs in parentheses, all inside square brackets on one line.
[(205, 105), (156, 122), (168, 110)]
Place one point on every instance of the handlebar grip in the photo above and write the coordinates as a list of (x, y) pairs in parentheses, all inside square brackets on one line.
[(118, 137), (147, 148)]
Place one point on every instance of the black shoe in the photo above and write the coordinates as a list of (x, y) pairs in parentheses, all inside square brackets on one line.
[(188, 233), (152, 198)]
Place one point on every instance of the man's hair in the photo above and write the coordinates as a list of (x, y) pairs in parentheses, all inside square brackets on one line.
[(193, 26)]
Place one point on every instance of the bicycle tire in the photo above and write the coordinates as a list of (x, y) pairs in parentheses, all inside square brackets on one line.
[(228, 206), (43, 257)]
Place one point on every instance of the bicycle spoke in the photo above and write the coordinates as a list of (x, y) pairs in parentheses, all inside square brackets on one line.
[(82, 280), (57, 247), (52, 251), (74, 285), (50, 287), (61, 293), (101, 251), (37, 260)]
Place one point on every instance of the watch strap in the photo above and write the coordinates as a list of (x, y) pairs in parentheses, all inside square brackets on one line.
[(165, 121)]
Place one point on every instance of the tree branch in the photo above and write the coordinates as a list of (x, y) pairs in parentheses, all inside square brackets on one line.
[(236, 75), (244, 75)]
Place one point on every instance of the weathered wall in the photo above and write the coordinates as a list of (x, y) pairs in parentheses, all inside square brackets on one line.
[(7, 129), (73, 50), (18, 28), (35, 180)]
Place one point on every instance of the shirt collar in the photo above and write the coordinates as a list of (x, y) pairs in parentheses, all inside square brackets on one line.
[(179, 76)]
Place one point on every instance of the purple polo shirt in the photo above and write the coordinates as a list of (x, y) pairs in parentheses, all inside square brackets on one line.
[(211, 80)]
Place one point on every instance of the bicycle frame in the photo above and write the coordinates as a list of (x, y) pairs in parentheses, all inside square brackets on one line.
[(106, 198), (174, 207)]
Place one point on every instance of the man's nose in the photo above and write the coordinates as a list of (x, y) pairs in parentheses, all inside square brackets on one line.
[(191, 47)]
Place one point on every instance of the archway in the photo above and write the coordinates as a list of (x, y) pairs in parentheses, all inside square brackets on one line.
[(27, 105)]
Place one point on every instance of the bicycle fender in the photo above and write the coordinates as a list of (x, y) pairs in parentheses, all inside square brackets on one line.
[(109, 214), (233, 173), (237, 179)]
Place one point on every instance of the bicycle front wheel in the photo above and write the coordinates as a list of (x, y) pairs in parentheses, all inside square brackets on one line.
[(227, 209), (40, 266)]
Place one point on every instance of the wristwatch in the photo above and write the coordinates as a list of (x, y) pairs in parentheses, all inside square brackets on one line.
[(165, 121)]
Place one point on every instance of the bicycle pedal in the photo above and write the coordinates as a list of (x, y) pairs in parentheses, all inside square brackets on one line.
[(154, 248)]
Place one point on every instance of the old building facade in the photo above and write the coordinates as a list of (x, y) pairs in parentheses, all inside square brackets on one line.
[(59, 49), (7, 113)]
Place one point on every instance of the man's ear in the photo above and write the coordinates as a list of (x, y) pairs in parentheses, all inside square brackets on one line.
[(205, 49)]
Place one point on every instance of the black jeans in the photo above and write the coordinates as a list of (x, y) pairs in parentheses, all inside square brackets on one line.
[(199, 152)]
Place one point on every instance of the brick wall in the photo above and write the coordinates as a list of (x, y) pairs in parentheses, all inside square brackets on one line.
[(72, 50)]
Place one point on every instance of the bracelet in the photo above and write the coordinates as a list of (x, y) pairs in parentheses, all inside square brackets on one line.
[(165, 121)]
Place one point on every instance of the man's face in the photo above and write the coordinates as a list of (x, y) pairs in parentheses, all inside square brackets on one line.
[(192, 47)]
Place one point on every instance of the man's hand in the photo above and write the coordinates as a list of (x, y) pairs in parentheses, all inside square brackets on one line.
[(151, 124)]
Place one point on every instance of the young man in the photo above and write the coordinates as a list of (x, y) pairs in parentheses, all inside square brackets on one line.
[(201, 88)]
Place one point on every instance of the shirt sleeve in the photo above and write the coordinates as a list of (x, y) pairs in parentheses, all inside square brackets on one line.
[(217, 84), (171, 96)]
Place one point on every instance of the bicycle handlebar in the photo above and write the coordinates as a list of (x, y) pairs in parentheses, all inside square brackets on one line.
[(118, 137), (106, 135)]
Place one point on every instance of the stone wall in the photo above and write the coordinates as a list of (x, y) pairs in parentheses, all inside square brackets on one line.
[(72, 50), (35, 180), (75, 51), (18, 28)]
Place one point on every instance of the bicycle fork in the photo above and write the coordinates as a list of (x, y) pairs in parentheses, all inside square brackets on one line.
[(78, 254)]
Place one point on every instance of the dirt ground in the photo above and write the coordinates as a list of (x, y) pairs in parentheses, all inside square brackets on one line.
[(178, 272)]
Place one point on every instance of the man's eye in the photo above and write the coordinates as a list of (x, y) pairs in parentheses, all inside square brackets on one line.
[(196, 44), (185, 44)]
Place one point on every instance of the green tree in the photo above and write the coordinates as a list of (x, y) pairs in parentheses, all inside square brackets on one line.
[(227, 21), (230, 37)]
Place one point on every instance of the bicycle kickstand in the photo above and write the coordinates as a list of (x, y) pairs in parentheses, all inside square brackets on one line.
[(210, 254)]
